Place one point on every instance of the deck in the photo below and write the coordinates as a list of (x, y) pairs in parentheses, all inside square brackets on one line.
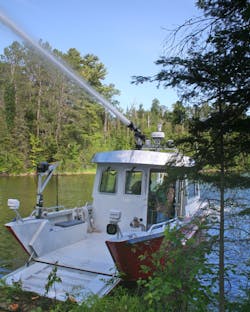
[(90, 254), (85, 268)]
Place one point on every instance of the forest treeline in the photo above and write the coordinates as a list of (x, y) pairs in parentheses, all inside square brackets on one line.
[(44, 116)]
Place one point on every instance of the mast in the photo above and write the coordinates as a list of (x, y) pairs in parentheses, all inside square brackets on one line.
[(44, 172)]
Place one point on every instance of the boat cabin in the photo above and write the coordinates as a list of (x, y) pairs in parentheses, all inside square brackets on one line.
[(133, 190)]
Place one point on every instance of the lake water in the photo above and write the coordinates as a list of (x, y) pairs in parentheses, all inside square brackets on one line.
[(72, 191), (237, 240), (69, 191)]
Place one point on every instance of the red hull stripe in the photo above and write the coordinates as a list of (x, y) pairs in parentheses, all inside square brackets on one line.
[(13, 233)]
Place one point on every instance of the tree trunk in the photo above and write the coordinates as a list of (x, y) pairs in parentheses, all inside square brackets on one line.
[(59, 114), (222, 207), (221, 244), (39, 97)]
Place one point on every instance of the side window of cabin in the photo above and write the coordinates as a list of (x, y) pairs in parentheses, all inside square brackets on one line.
[(108, 181), (133, 182), (157, 178)]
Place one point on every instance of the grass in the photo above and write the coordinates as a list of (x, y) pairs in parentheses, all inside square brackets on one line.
[(15, 299), (121, 300)]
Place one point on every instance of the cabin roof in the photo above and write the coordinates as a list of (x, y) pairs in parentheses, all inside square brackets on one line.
[(143, 157)]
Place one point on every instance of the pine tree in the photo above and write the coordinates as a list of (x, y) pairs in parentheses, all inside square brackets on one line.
[(213, 67)]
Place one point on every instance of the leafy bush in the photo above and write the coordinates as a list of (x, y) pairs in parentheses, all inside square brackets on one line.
[(176, 283)]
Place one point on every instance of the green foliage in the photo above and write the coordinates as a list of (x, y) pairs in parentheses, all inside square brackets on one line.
[(52, 279), (214, 70), (43, 116), (13, 298), (213, 73), (176, 284), (35, 151), (179, 113), (119, 301), (10, 105), (46, 117)]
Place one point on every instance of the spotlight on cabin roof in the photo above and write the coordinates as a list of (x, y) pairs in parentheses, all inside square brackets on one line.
[(158, 136)]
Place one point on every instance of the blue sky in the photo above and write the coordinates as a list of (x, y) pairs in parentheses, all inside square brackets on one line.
[(126, 35)]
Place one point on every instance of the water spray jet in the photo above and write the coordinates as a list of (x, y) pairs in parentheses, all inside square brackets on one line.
[(139, 137)]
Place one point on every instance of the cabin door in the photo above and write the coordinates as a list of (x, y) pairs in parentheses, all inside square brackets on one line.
[(161, 197)]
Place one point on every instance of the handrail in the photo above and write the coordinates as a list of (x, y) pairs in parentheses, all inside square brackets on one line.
[(54, 208), (48, 209), (162, 224)]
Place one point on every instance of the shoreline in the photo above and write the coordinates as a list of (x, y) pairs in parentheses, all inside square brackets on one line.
[(34, 174)]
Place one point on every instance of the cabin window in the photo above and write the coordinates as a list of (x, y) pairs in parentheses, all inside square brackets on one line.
[(133, 182), (157, 178), (161, 198), (108, 181)]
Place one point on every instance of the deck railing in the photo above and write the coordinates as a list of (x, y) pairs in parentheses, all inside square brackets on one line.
[(162, 225)]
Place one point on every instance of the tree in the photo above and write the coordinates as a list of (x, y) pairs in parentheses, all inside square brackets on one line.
[(214, 68), (10, 105), (179, 113), (45, 115), (156, 107), (11, 78)]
